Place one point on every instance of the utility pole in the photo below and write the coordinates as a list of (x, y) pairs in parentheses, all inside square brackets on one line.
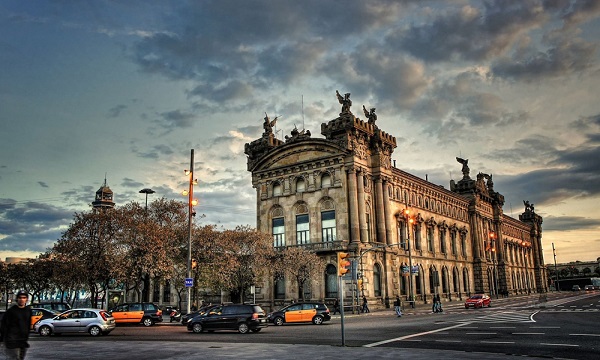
[(555, 269)]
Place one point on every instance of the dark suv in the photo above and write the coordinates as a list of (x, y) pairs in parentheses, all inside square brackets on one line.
[(240, 317), (145, 313)]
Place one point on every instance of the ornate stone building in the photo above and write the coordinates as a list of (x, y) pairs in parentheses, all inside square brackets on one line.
[(342, 193)]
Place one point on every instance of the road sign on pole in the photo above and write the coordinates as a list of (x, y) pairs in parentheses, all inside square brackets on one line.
[(189, 282)]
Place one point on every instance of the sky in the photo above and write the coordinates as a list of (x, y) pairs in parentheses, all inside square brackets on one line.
[(124, 89)]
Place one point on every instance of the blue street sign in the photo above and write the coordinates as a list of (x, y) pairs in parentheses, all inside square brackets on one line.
[(189, 282)]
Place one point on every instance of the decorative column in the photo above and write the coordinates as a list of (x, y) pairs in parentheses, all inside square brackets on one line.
[(389, 225), (353, 206), (362, 215), (379, 212)]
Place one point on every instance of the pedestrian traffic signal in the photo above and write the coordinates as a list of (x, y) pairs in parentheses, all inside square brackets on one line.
[(343, 263)]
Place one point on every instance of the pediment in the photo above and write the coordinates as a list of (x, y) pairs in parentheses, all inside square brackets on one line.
[(302, 152)]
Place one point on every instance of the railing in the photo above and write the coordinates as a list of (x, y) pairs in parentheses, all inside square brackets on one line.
[(320, 246)]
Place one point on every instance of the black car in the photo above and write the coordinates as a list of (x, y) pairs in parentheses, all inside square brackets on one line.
[(314, 312), (187, 317), (240, 317)]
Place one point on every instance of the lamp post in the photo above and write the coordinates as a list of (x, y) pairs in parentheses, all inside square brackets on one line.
[(147, 191), (191, 213), (495, 271), (555, 270)]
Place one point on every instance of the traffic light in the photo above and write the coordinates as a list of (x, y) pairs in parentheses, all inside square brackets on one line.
[(343, 263), (360, 284), (194, 264)]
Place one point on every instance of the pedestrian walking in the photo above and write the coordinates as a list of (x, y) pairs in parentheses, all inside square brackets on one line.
[(15, 326), (397, 306), (336, 306), (365, 305), (437, 304)]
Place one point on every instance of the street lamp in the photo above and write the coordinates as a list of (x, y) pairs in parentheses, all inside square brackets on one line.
[(147, 191), (409, 222), (555, 270), (495, 271), (191, 213)]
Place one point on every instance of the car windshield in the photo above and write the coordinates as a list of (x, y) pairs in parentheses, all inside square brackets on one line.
[(475, 297)]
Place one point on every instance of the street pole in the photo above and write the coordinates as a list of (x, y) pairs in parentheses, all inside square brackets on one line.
[(555, 269), (408, 223), (341, 292), (190, 215)]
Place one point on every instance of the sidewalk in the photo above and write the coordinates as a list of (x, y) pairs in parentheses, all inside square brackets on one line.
[(532, 300)]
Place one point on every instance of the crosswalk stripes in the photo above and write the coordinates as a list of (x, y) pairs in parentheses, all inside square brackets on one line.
[(502, 317)]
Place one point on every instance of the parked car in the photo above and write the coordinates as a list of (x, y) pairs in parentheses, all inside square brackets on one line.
[(51, 305), (135, 313), (576, 288), (93, 321), (187, 317), (38, 314), (240, 317), (313, 312), (478, 301), (2, 314), (588, 288)]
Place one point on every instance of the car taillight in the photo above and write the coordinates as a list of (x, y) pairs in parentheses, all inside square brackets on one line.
[(327, 311), (103, 314), (254, 316), (159, 313)]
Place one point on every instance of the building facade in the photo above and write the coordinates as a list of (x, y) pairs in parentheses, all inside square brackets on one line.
[(407, 236)]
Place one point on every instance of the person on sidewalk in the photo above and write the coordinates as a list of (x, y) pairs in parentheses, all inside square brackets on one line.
[(397, 306), (336, 306), (15, 326), (365, 305)]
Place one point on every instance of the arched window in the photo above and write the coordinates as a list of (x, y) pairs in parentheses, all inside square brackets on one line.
[(377, 280), (279, 289), (306, 292), (331, 288), (328, 225), (433, 279), (300, 185), (404, 284), (418, 281), (277, 189), (326, 180), (455, 281), (445, 288), (466, 281), (278, 227), (453, 242)]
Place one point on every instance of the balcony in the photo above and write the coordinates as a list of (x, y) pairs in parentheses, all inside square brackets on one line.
[(320, 246)]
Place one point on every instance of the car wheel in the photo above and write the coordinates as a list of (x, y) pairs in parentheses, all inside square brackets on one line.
[(256, 330), (197, 328), (490, 304), (278, 321), (147, 322), (45, 330), (318, 320), (243, 328), (95, 331)]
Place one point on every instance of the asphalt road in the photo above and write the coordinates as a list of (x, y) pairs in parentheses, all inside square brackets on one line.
[(564, 327)]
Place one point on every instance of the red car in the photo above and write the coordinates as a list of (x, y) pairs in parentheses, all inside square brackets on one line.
[(478, 301)]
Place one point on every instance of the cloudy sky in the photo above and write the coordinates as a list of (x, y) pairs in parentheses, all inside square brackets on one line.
[(127, 88)]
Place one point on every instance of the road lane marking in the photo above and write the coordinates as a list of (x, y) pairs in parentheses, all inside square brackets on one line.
[(584, 334), (559, 344), (497, 342), (452, 341), (544, 327), (414, 335), (502, 327), (481, 333), (529, 333)]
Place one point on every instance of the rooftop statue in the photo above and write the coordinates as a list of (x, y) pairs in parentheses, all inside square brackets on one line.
[(345, 101), (269, 124), (465, 167), (370, 115)]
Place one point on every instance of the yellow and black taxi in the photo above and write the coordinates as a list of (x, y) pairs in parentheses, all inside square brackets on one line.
[(314, 312), (134, 313), (38, 314)]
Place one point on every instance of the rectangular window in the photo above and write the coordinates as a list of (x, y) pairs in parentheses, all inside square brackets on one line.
[(278, 232), (463, 240), (453, 242), (328, 226), (443, 241), (430, 239), (302, 229), (417, 236)]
